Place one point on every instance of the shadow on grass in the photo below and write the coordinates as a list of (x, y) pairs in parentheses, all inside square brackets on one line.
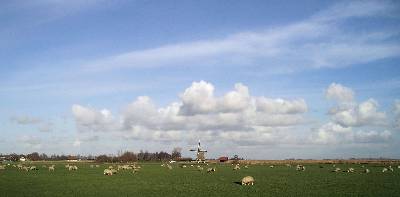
[(238, 182)]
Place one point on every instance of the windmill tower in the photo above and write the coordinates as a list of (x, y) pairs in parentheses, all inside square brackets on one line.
[(200, 154)]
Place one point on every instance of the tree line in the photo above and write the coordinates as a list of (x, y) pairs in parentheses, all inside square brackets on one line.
[(126, 156)]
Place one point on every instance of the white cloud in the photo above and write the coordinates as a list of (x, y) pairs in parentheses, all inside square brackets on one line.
[(396, 111), (88, 119), (198, 112), (321, 41), (339, 93), (198, 99), (280, 106)]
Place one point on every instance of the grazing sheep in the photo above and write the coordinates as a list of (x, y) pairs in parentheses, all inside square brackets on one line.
[(33, 168), (192, 165), (300, 168), (110, 167), (237, 167), (2, 167), (271, 166), (366, 171), (246, 166), (108, 172), (336, 170), (169, 167), (183, 166), (162, 165), (51, 168), (209, 170), (351, 170), (72, 168), (384, 170), (248, 180), (390, 168), (398, 167), (67, 166)]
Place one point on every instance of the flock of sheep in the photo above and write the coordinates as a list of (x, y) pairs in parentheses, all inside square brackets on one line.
[(134, 168)]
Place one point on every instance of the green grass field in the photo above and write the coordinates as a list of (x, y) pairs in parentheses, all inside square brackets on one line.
[(154, 180)]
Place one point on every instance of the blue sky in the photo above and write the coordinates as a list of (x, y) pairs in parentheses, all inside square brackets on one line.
[(268, 79)]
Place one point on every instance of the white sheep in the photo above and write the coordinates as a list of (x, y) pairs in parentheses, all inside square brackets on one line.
[(366, 171), (248, 180), (108, 172), (2, 167), (72, 168), (351, 170), (271, 166), (246, 166), (300, 168), (384, 170), (51, 168), (211, 170), (169, 167), (336, 170), (237, 167), (33, 168), (390, 168)]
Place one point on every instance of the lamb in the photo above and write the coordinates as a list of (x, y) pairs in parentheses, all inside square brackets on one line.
[(390, 168), (271, 166), (33, 168), (248, 180), (384, 170), (398, 167), (51, 168), (300, 168), (237, 167), (351, 170), (67, 166), (108, 172), (209, 170), (246, 166), (72, 168), (183, 166)]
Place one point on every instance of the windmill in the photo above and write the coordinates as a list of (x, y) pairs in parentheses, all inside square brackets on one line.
[(200, 157)]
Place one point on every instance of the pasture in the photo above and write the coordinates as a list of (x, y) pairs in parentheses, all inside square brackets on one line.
[(154, 180)]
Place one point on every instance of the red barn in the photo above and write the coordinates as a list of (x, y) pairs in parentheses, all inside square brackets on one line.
[(223, 159)]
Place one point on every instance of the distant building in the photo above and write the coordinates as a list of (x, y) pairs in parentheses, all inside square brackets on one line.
[(223, 159)]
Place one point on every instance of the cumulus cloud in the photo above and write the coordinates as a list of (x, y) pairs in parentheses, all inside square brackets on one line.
[(89, 119), (339, 93), (197, 111), (350, 121), (331, 133), (350, 113)]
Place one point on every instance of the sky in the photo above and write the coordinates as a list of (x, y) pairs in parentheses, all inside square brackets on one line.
[(260, 79)]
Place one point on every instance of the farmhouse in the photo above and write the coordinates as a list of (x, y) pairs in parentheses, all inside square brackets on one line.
[(223, 159)]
